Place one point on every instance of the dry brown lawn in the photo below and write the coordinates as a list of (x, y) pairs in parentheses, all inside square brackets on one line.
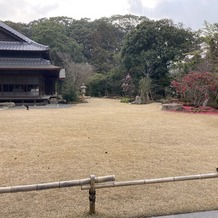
[(106, 137)]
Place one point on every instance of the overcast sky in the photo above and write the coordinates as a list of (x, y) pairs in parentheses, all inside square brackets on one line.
[(192, 13)]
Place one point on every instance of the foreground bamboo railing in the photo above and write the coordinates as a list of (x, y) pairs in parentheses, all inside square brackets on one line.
[(63, 184), (52, 185), (94, 183), (92, 187), (152, 181)]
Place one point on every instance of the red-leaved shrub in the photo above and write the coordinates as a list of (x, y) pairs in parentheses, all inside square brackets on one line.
[(197, 88)]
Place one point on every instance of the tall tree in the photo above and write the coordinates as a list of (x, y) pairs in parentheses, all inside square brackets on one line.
[(54, 34), (127, 22), (81, 31), (105, 42), (210, 36), (152, 47), (101, 41)]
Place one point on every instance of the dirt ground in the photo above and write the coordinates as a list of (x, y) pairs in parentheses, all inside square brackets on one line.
[(106, 137)]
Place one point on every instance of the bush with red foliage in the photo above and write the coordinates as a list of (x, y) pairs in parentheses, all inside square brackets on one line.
[(196, 88), (201, 109)]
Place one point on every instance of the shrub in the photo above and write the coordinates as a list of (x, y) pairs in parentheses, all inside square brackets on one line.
[(125, 100), (70, 95), (97, 85), (196, 87)]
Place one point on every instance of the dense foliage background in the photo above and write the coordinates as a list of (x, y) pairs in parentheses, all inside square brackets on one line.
[(105, 52)]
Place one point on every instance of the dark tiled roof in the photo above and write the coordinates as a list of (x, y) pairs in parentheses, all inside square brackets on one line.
[(26, 63), (27, 44), (21, 46)]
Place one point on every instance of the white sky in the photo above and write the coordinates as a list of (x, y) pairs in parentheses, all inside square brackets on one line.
[(191, 13)]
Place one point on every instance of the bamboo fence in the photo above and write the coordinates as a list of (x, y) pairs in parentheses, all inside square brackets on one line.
[(94, 183), (152, 181), (52, 185)]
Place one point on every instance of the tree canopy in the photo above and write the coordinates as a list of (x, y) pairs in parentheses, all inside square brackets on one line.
[(152, 46), (152, 52)]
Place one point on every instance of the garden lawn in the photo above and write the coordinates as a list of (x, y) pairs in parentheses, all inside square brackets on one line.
[(106, 137)]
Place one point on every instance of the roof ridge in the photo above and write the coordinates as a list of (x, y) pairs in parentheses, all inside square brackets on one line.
[(21, 36)]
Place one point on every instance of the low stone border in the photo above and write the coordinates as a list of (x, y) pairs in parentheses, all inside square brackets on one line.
[(6, 105), (172, 107)]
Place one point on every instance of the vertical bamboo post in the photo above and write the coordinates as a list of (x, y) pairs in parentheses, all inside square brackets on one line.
[(92, 196)]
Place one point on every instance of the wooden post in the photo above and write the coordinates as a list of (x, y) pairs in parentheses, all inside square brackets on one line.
[(92, 195)]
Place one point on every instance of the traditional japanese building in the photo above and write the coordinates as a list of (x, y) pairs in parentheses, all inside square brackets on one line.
[(26, 72)]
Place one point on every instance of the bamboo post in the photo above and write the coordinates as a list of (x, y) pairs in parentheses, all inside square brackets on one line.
[(92, 195)]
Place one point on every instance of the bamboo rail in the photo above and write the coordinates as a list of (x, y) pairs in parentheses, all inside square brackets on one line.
[(94, 183), (52, 185), (152, 181)]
